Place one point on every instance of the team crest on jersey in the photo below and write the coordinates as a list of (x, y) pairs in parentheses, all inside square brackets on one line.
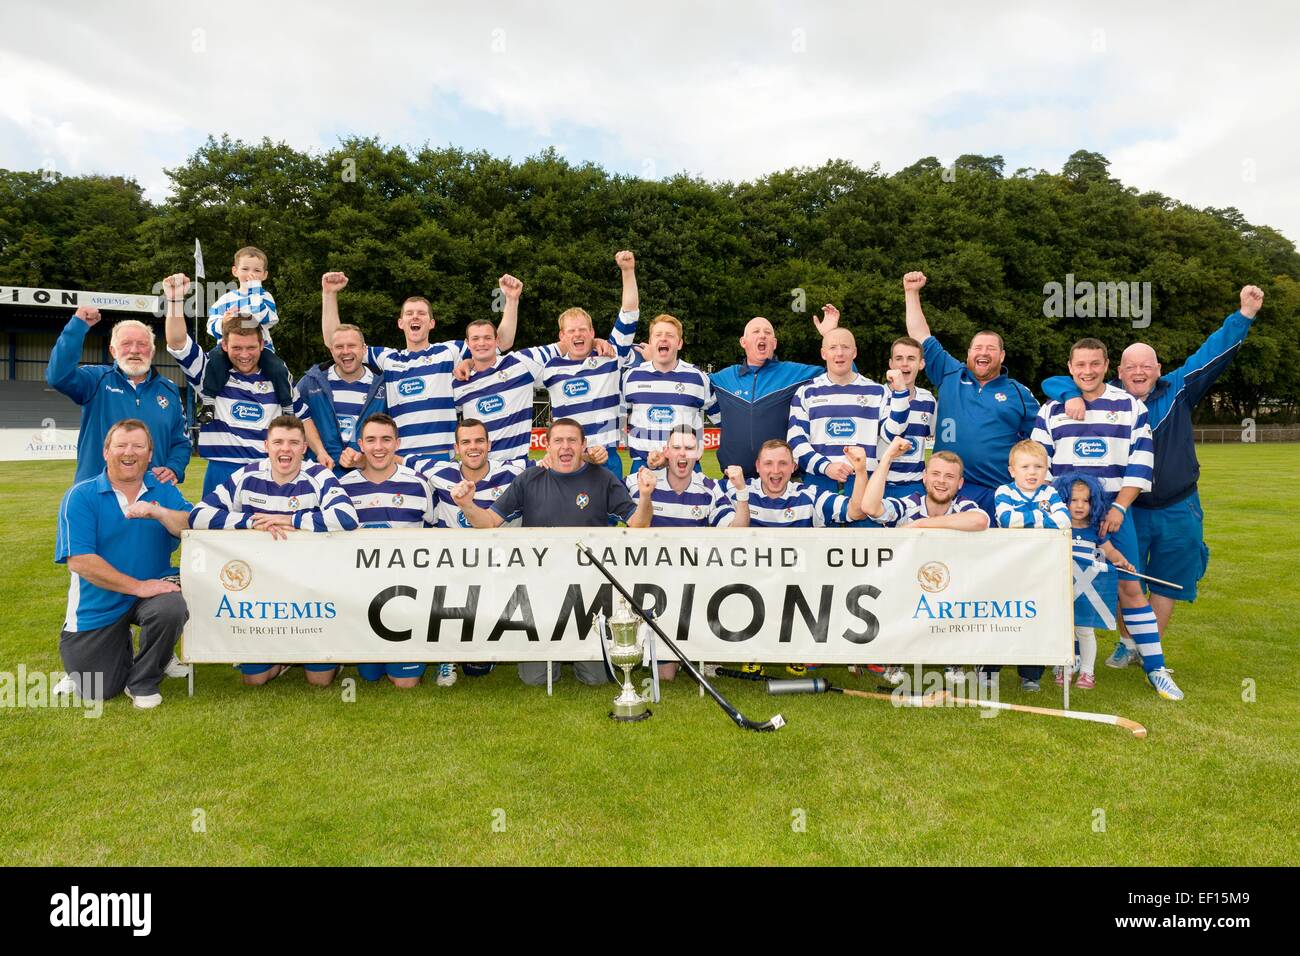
[(1000, 396), (862, 400), (262, 387), (503, 375), (397, 500), (1045, 507), (162, 401), (293, 503), (593, 361), (697, 512), (582, 500), (498, 491), (925, 418), (788, 514), (680, 388), (1112, 417)]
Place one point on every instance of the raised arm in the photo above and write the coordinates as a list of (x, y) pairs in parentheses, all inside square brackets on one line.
[(917, 327), (739, 496), (64, 372), (900, 406), (513, 289), (463, 494), (331, 284), (872, 502), (175, 288), (858, 459), (646, 481), (627, 268)]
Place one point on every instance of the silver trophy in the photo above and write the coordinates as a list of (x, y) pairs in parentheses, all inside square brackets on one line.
[(624, 649)]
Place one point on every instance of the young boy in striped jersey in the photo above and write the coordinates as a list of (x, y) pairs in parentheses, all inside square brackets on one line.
[(387, 494), (417, 378), (236, 434), (1029, 500), (339, 396), (257, 307), (587, 387), (839, 409), (937, 507), (279, 494), (1113, 444), (664, 392), (905, 474)]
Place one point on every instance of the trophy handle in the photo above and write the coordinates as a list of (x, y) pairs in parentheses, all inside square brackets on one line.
[(601, 632)]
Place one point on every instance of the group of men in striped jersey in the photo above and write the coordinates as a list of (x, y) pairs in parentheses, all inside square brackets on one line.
[(433, 433)]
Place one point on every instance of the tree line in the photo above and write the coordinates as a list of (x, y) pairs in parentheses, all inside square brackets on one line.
[(444, 223)]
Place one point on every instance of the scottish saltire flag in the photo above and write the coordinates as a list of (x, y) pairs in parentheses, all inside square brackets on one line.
[(1096, 588)]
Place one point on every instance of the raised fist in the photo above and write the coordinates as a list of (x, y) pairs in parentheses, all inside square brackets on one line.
[(829, 320), (913, 281), (856, 456), (656, 459), (88, 314), (736, 476), (333, 282), (597, 454), (511, 286), (895, 379), (350, 458), (602, 348), (839, 471), (462, 492), (625, 260), (646, 481), (175, 286), (897, 448), (1252, 297)]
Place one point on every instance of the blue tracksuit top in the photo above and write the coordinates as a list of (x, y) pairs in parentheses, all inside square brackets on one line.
[(106, 396), (314, 389), (754, 402), (978, 422), (1169, 409)]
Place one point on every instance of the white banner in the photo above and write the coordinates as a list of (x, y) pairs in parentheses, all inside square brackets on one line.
[(846, 596), (73, 298), (38, 444)]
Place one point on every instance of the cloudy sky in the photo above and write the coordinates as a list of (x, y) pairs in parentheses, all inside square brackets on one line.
[(1195, 99)]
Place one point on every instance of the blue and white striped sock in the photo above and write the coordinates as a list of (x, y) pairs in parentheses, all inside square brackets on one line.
[(1141, 624)]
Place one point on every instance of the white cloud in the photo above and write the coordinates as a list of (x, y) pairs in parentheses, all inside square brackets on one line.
[(1178, 97)]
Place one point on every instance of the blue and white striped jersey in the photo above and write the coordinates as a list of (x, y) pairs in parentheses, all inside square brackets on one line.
[(704, 503), (658, 401), (241, 411), (313, 497), (921, 419), (403, 500), (825, 418), (799, 506), (1112, 443), (1041, 509), (442, 476), (349, 399), (900, 512), (254, 300), (418, 389), (501, 397), (590, 390)]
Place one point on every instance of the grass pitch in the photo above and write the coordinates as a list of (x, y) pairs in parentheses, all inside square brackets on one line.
[(491, 772)]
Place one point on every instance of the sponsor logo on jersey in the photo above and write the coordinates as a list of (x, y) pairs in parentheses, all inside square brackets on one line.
[(575, 387), (490, 404), (841, 428), (347, 425), (410, 386), (246, 411), (659, 415), (1089, 448)]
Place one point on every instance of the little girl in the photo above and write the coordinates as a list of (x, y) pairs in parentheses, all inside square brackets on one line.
[(1095, 581)]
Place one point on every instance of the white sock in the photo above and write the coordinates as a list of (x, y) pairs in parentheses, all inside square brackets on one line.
[(1086, 640)]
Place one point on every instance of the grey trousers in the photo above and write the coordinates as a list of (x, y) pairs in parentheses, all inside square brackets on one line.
[(109, 652), (533, 673)]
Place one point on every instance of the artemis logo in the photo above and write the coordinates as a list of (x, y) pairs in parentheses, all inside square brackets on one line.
[(490, 404), (1089, 448), (246, 411), (659, 415), (575, 387), (410, 386), (103, 909), (841, 428)]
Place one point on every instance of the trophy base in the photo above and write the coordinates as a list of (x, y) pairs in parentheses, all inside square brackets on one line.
[(629, 715)]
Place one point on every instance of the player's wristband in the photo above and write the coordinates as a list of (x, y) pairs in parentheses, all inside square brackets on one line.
[(743, 496)]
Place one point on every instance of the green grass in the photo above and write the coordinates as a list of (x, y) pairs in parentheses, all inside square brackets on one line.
[(289, 774)]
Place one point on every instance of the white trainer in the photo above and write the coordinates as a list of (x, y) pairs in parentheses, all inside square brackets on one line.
[(66, 686), (446, 675), (144, 701), (175, 668)]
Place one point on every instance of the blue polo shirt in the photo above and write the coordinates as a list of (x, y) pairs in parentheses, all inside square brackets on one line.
[(91, 522), (978, 422)]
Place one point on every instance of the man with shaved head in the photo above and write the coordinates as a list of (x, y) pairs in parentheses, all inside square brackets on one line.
[(754, 395), (1168, 518)]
